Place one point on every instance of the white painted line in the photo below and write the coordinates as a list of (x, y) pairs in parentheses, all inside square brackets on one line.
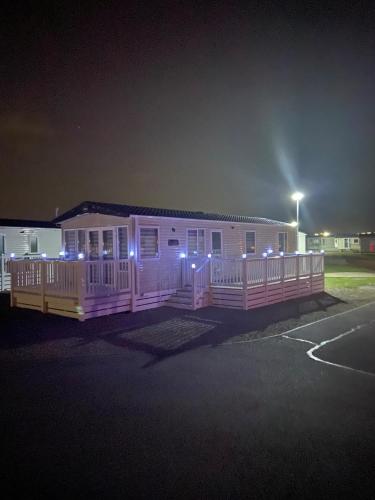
[(322, 344), (250, 341), (329, 317), (300, 340)]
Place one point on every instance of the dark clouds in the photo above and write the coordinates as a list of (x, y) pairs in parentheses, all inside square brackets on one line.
[(221, 107)]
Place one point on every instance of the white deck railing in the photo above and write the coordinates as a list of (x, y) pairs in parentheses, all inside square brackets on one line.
[(231, 272), (70, 279)]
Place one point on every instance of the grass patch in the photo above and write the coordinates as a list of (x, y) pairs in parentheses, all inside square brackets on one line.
[(349, 282), (345, 268)]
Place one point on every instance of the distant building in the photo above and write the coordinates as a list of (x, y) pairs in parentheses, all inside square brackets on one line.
[(333, 243), (367, 242)]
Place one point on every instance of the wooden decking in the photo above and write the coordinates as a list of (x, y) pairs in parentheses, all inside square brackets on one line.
[(87, 289)]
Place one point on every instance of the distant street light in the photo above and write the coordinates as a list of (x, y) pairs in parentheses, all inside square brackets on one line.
[(297, 197)]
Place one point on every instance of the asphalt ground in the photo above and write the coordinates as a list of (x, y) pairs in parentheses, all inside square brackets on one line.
[(158, 409)]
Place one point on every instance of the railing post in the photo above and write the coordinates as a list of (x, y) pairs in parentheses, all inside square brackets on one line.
[(194, 288), (81, 288), (132, 283), (43, 279), (11, 268), (266, 277), (311, 272), (2, 262), (244, 283)]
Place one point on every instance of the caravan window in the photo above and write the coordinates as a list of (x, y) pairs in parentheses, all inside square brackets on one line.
[(195, 242), (2, 244), (283, 242), (149, 242), (33, 243), (122, 235), (250, 242)]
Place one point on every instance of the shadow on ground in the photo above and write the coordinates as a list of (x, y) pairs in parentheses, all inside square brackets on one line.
[(161, 332)]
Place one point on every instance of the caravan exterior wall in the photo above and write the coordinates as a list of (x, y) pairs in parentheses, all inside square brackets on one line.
[(163, 240)]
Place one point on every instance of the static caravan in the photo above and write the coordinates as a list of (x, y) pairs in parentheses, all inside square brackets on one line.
[(26, 239), (120, 258), (367, 242)]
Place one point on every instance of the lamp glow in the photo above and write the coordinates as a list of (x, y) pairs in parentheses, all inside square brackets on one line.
[(310, 251), (326, 234), (62, 253), (269, 251), (182, 255), (12, 255), (321, 251), (81, 256), (209, 255), (193, 266), (297, 196), (294, 223), (44, 255), (131, 253), (281, 254), (244, 256), (265, 254)]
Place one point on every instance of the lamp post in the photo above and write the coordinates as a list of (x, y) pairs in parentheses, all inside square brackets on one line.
[(297, 197)]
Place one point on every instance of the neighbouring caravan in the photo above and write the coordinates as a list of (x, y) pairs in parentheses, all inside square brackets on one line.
[(26, 239)]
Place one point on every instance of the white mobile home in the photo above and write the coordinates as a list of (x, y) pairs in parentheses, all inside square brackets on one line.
[(135, 258), (26, 239)]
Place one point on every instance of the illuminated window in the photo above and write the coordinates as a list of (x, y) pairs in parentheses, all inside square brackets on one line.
[(195, 242), (149, 242), (70, 244), (107, 244), (250, 242)]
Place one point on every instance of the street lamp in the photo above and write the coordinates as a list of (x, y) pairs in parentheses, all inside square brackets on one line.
[(297, 197)]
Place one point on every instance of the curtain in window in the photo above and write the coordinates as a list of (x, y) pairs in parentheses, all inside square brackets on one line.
[(149, 242)]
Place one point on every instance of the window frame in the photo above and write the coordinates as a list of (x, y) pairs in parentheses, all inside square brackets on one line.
[(255, 242), (204, 241), (33, 235), (143, 226), (285, 233), (221, 243), (3, 237), (117, 249)]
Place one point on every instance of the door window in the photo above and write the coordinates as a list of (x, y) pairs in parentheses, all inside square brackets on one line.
[(94, 245), (107, 244)]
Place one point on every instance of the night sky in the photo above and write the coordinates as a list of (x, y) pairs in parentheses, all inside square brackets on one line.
[(216, 106)]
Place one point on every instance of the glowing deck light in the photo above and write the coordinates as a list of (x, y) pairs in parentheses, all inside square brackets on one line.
[(296, 252), (326, 234), (310, 251), (81, 256), (244, 256), (44, 255), (281, 254), (62, 253), (294, 223), (182, 255), (12, 255), (321, 251), (269, 251), (209, 255), (265, 254), (131, 253), (193, 266)]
